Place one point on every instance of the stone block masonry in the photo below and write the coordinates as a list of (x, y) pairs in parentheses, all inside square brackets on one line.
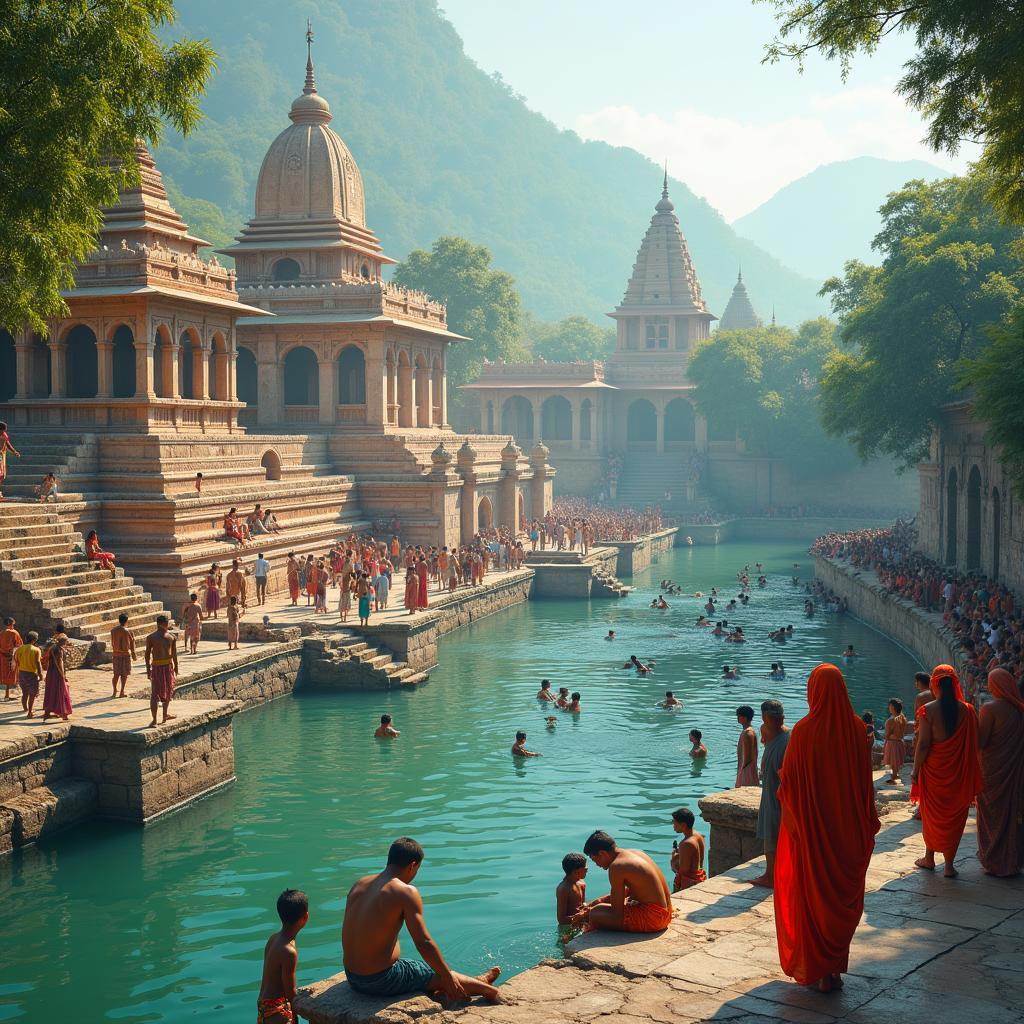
[(636, 555)]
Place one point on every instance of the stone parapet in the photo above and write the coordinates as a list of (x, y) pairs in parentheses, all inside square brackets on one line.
[(636, 555), (921, 632), (732, 818)]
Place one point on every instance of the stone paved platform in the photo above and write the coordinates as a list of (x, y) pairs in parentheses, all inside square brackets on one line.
[(928, 951)]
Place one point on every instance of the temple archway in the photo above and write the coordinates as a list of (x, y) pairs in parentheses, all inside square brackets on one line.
[(286, 270), (8, 367), (162, 365), (189, 353), (40, 382), (123, 383), (484, 515), (83, 367), (301, 377), (246, 377), (997, 525), (351, 376), (556, 419), (680, 423), (271, 463), (219, 371), (517, 418), (973, 518), (951, 517), (641, 424)]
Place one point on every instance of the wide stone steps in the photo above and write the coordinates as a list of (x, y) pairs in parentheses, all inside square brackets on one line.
[(352, 663)]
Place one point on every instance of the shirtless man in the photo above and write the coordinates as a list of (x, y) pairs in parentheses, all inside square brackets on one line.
[(544, 693), (670, 701), (639, 901), (519, 747), (386, 730), (688, 856), (562, 700), (638, 665), (192, 622), (161, 667), (122, 646), (377, 907)]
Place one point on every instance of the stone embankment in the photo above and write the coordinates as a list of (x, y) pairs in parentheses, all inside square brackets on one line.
[(928, 951), (921, 632), (636, 555)]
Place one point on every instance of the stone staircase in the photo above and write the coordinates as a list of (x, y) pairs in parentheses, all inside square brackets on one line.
[(646, 476), (73, 460), (45, 578), (350, 662)]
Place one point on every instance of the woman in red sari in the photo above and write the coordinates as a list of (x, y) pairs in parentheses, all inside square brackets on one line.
[(5, 447), (826, 837), (56, 694), (947, 772), (95, 553), (412, 590), (1001, 800), (423, 574)]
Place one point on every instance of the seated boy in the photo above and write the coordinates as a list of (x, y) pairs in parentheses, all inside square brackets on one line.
[(571, 891), (280, 958), (688, 856)]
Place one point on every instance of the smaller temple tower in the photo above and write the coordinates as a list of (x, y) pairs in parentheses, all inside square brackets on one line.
[(739, 312)]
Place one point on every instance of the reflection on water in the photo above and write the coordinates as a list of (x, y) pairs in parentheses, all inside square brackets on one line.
[(168, 923)]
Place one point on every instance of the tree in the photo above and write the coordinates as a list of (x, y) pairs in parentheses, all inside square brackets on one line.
[(949, 267), (80, 83), (996, 380), (570, 340), (764, 381), (965, 77), (483, 305)]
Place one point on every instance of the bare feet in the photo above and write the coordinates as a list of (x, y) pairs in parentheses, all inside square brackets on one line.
[(950, 872), (168, 718), (825, 984), (837, 981), (488, 978), (764, 881), (926, 863), (152, 725)]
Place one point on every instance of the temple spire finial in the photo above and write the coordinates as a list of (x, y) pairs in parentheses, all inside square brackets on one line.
[(739, 273), (773, 314), (664, 183), (310, 86)]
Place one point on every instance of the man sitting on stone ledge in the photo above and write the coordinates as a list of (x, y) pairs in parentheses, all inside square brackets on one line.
[(376, 908), (639, 900)]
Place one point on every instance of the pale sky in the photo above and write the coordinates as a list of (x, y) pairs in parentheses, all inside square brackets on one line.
[(683, 80)]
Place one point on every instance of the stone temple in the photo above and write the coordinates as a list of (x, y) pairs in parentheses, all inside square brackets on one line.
[(301, 380)]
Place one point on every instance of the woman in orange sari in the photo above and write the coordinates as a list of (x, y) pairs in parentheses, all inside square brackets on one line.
[(1001, 801), (947, 771), (826, 837), (95, 553)]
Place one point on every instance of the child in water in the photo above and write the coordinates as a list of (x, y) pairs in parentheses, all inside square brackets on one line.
[(280, 958), (571, 891), (698, 749)]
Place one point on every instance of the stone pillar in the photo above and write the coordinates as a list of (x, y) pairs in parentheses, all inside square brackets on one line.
[(328, 390), (23, 363), (659, 412), (700, 432), (576, 422), (541, 472), (271, 383), (444, 389), (732, 817), (231, 343), (508, 510), (171, 375), (376, 392), (104, 369), (58, 369), (144, 375), (466, 461), (201, 371)]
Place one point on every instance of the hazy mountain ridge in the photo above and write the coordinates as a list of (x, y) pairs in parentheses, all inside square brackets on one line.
[(446, 149), (819, 221)]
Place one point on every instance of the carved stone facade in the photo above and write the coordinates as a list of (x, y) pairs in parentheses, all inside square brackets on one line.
[(970, 517)]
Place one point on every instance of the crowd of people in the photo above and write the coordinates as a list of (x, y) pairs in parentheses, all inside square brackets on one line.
[(983, 614), (604, 522)]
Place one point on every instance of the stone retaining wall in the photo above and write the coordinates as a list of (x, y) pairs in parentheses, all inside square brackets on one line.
[(922, 633), (771, 528), (636, 555), (563, 579)]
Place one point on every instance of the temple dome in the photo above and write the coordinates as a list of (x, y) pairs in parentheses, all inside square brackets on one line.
[(308, 172), (739, 313)]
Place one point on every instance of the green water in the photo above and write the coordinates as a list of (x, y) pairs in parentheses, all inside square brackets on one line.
[(168, 923)]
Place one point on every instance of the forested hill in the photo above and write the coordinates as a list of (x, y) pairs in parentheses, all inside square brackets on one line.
[(444, 149)]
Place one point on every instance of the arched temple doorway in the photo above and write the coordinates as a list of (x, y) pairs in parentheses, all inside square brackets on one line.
[(301, 377), (123, 383), (517, 418), (8, 367), (83, 368), (271, 463), (351, 376), (484, 515), (680, 424), (246, 377), (405, 410), (556, 419), (641, 424)]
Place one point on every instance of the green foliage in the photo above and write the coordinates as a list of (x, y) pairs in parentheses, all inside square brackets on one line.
[(765, 381), (570, 340), (996, 379), (204, 219), (446, 149), (950, 266), (966, 77), (79, 84), (483, 305)]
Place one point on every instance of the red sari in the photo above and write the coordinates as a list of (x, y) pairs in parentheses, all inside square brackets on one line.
[(950, 777), (423, 573), (412, 592), (827, 834)]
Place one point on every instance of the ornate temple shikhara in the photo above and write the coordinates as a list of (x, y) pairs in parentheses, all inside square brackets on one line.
[(635, 409), (300, 380)]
